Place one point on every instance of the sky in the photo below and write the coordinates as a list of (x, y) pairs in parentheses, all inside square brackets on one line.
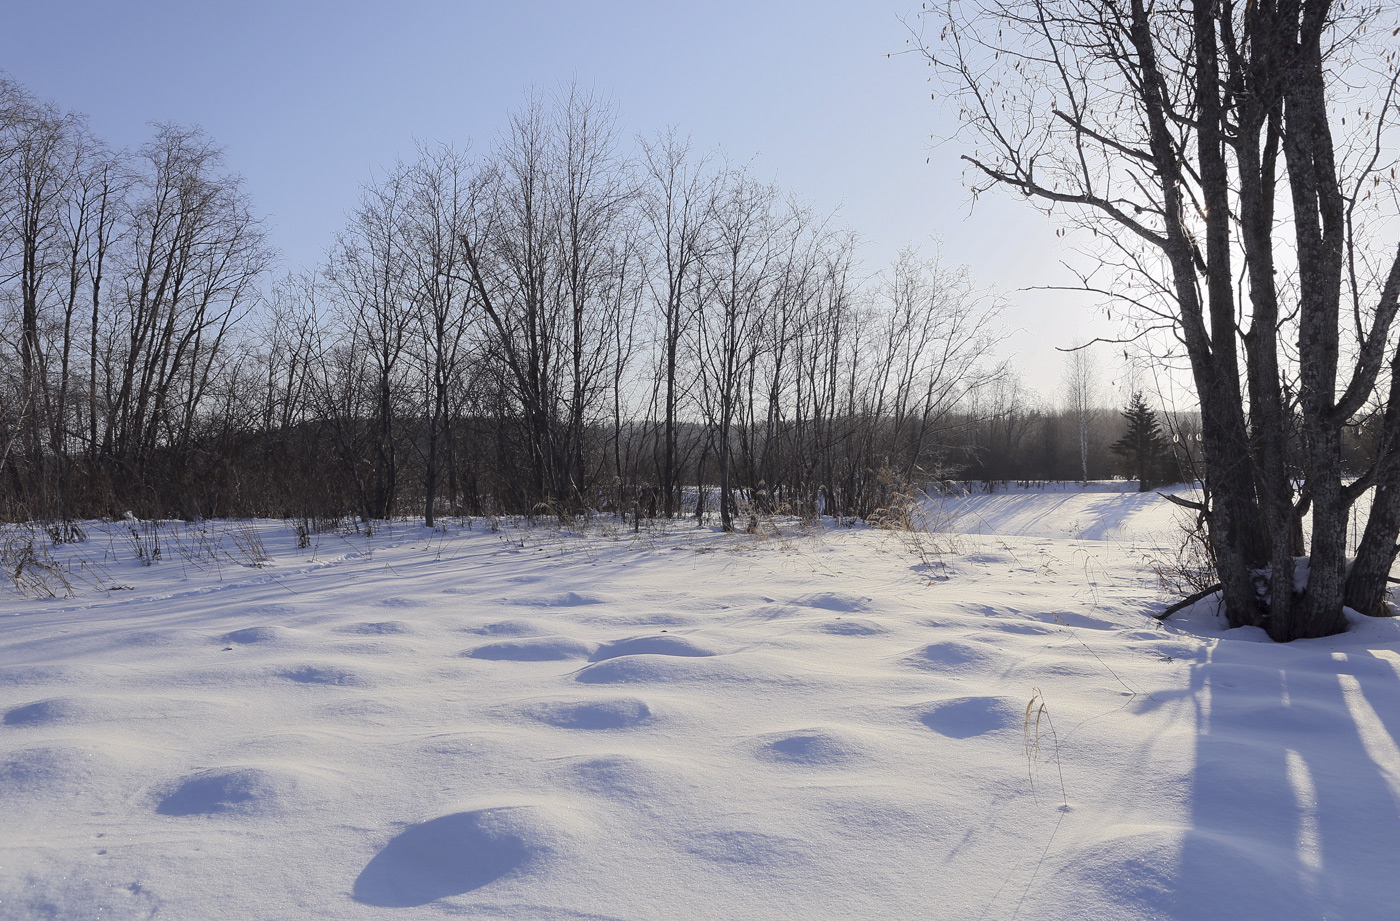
[(310, 98)]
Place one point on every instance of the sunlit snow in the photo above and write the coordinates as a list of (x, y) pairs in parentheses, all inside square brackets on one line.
[(594, 722)]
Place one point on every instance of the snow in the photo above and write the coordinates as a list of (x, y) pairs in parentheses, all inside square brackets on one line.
[(808, 723)]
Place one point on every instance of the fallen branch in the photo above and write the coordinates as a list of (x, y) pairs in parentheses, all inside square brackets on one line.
[(1188, 601), (1205, 592)]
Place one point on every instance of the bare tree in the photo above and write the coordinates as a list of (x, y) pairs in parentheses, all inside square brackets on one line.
[(594, 189), (442, 188), (370, 270), (743, 266), (676, 201), (1203, 141), (1080, 382), (548, 259)]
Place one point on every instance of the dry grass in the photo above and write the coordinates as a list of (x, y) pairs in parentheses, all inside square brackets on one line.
[(923, 530), (1038, 716), (1187, 568)]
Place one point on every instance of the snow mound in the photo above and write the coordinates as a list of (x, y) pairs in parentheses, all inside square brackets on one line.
[(647, 669), (332, 675), (236, 790), (852, 627), (534, 649), (47, 712), (665, 644), (59, 769), (372, 628), (613, 713), (745, 848), (965, 717), (835, 601), (450, 855), (248, 636), (811, 748), (953, 656)]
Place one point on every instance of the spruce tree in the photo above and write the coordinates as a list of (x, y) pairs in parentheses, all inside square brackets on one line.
[(1142, 447)]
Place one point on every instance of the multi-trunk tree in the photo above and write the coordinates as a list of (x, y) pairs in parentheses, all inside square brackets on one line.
[(1237, 158)]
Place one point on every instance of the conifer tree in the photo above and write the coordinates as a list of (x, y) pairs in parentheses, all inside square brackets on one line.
[(1143, 448)]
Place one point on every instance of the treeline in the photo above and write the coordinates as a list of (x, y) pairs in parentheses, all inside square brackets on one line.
[(1013, 434), (560, 321), (563, 321)]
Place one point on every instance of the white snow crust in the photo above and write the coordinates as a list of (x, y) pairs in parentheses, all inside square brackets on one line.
[(811, 722)]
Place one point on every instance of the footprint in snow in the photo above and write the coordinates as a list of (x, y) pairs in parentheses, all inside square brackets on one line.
[(745, 848), (623, 778), (1025, 628), (402, 603), (650, 669), (565, 600)]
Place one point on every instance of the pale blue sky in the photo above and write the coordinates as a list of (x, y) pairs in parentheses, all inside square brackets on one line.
[(310, 97)]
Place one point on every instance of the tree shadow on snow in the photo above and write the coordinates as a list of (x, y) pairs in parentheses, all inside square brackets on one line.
[(1295, 809)]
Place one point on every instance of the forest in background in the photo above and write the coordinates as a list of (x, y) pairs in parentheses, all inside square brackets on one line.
[(567, 320)]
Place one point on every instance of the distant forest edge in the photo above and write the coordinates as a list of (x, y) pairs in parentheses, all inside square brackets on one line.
[(554, 323)]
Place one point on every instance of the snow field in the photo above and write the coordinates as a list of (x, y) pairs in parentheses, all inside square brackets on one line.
[(682, 724)]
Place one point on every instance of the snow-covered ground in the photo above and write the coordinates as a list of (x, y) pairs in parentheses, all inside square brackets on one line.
[(821, 723)]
